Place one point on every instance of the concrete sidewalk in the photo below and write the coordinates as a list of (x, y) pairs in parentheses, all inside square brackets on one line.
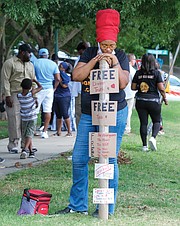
[(47, 149)]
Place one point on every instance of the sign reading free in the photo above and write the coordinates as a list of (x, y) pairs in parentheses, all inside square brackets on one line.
[(104, 113), (104, 81)]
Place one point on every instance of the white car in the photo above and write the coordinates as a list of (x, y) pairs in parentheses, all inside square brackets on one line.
[(174, 93)]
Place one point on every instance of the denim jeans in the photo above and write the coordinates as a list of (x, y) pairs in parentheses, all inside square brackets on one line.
[(79, 190)]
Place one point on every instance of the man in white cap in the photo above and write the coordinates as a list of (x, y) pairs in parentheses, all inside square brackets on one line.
[(47, 73)]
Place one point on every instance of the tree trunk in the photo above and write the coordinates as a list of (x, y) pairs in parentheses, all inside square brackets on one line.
[(3, 115), (70, 36), (2, 38), (2, 25), (13, 40)]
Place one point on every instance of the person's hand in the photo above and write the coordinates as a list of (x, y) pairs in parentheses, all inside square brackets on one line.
[(165, 101), (98, 57), (9, 102), (36, 102), (110, 58)]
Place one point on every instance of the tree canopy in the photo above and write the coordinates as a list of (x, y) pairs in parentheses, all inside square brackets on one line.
[(144, 23)]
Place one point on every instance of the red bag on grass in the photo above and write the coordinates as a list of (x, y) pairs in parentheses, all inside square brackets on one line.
[(34, 202)]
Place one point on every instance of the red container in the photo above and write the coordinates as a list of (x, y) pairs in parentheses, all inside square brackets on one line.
[(35, 201)]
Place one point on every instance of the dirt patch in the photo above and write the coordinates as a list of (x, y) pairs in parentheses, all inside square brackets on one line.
[(123, 158)]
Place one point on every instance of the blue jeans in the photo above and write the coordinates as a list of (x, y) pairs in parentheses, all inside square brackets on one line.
[(79, 190)]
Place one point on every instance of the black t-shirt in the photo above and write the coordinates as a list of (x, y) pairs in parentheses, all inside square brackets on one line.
[(147, 83), (86, 98)]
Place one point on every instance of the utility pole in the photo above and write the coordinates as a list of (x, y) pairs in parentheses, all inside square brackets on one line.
[(56, 48)]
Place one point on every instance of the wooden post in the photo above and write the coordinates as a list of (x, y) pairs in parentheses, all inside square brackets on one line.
[(174, 59), (170, 63), (103, 183)]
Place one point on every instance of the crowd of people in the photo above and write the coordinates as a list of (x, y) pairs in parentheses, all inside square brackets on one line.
[(54, 97), (46, 85)]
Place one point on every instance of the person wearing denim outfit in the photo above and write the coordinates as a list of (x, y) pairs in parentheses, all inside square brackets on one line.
[(79, 190), (90, 60)]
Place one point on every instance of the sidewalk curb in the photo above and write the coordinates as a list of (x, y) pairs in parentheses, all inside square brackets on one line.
[(48, 149)]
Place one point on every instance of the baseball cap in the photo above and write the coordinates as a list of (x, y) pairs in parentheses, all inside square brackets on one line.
[(43, 52)]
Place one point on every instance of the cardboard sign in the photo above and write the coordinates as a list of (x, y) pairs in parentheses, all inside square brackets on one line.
[(104, 113), (102, 144), (104, 81), (104, 171), (103, 195)]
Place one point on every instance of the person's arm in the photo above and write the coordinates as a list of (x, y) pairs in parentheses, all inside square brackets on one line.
[(113, 62), (39, 87), (161, 89), (134, 86), (63, 85), (5, 84), (82, 70), (36, 90), (57, 80), (123, 75), (160, 86), (65, 79)]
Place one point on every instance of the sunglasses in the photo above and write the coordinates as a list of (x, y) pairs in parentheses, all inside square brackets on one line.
[(106, 46)]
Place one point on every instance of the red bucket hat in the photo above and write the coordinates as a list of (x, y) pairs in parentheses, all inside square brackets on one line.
[(107, 25)]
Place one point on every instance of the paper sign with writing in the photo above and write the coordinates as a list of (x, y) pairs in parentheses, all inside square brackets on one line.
[(104, 113), (102, 144), (104, 81), (103, 195), (104, 171)]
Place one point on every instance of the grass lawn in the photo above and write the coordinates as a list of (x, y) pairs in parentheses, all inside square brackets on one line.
[(148, 186), (3, 129)]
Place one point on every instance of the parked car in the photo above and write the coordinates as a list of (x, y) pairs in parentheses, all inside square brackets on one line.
[(174, 83), (174, 88)]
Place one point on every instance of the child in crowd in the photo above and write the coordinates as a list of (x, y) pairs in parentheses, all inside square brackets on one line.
[(28, 112)]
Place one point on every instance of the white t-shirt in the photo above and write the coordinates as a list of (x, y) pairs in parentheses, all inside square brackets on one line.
[(128, 91)]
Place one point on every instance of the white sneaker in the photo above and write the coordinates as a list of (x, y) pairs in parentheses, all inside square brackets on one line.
[(161, 132), (44, 135), (41, 128), (152, 144), (70, 158), (144, 148), (23, 154)]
